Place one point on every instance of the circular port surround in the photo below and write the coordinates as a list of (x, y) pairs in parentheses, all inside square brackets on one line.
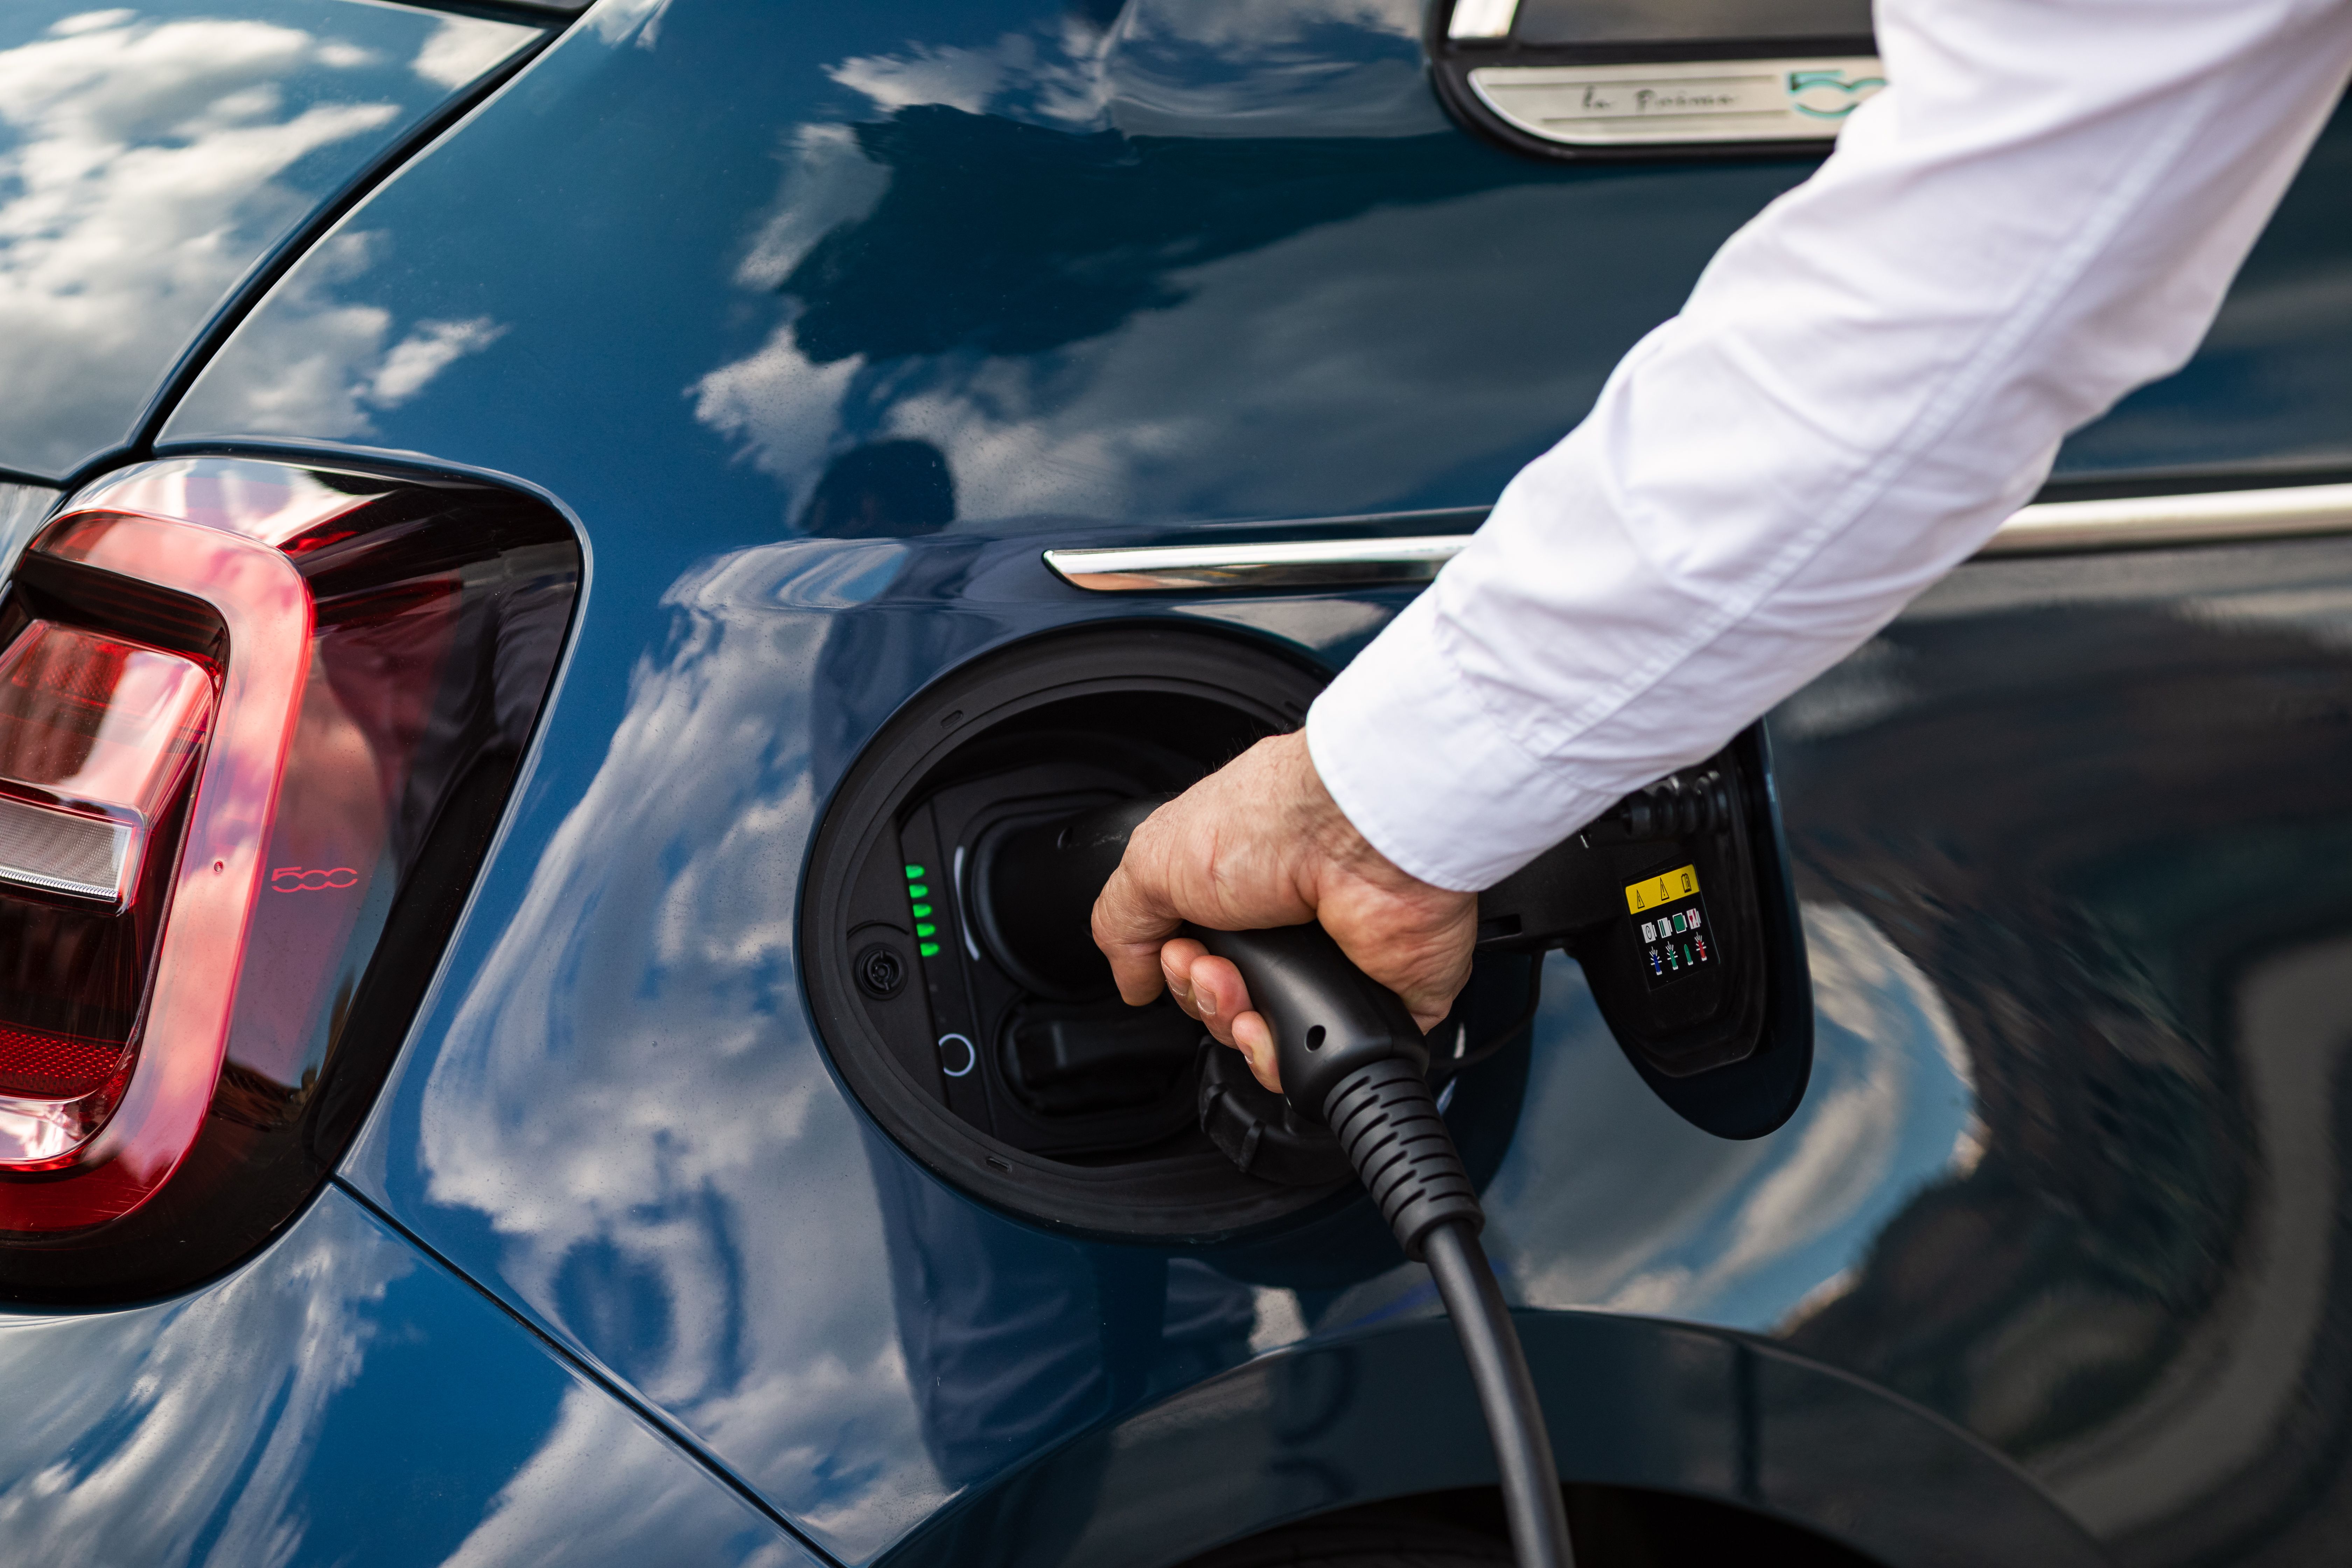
[(1168, 701)]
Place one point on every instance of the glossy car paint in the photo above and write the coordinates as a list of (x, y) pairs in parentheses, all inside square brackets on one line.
[(341, 1400), (2044, 1267), (154, 156)]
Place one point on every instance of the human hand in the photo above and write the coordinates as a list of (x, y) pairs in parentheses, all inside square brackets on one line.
[(1261, 843)]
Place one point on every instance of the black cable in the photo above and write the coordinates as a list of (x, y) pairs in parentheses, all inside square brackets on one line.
[(1387, 1122), (1507, 1392), (1348, 1048)]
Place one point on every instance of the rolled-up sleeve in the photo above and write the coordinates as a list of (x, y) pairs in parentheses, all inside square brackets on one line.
[(2041, 213)]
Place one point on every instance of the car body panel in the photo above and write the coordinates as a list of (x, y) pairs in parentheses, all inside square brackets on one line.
[(1639, 1403), (154, 156), (2097, 804), (343, 1399), (1207, 269), (1295, 292)]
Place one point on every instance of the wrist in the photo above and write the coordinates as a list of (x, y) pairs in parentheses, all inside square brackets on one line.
[(1334, 843)]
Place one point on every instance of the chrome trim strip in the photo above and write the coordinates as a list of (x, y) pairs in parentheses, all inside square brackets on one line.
[(2138, 522), (1301, 563), (1482, 19), (2142, 522)]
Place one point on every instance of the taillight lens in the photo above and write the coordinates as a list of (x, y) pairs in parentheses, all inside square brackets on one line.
[(97, 736), (256, 724)]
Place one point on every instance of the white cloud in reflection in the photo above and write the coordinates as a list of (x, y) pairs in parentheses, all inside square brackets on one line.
[(636, 1157), (1642, 1213), (621, 21), (1278, 333), (315, 366), (1240, 30), (781, 409), (220, 1396), (1104, 426), (829, 182), (141, 151), (1058, 79), (221, 1428), (644, 1491), (463, 48), (960, 79), (1206, 67), (425, 353)]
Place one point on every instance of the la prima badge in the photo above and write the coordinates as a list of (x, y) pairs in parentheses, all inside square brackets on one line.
[(1679, 103)]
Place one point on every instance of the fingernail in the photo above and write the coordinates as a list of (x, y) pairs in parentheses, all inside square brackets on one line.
[(1208, 1003)]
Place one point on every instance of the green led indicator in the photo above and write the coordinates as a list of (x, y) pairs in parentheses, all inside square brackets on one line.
[(930, 950), (922, 912), (918, 891), (913, 872), (921, 929)]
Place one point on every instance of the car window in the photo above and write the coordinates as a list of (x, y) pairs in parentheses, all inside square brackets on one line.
[(1659, 21)]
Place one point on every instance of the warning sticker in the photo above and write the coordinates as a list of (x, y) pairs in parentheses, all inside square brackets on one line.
[(1650, 892)]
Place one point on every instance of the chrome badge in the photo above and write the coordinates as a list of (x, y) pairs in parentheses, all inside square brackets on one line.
[(1600, 78), (1679, 103)]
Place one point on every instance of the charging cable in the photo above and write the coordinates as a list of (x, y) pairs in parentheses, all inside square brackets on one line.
[(1352, 1059), (1349, 1051)]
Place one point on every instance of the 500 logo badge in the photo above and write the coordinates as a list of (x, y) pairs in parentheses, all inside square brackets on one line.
[(311, 878)]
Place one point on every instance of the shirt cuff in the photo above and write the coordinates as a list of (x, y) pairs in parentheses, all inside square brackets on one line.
[(1420, 767)]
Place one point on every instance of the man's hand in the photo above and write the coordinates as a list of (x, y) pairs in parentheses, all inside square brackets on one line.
[(1261, 843)]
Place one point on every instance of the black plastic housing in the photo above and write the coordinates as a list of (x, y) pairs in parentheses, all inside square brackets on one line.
[(1004, 1059), (1729, 1046)]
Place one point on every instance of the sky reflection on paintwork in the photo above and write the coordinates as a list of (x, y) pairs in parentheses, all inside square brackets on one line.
[(150, 156), (22, 508), (628, 1103), (340, 1400), (1213, 264), (634, 1135), (1093, 428), (631, 1104), (1607, 1199)]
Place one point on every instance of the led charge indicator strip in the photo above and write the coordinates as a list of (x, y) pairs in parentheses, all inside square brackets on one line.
[(918, 894)]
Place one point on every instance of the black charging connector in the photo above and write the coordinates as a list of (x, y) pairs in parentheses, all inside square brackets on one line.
[(1352, 1058)]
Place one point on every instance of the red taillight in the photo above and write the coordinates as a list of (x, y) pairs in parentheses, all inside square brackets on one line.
[(97, 734), (255, 724), (111, 1148)]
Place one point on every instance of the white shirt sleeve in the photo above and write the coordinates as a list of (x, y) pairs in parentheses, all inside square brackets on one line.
[(2041, 213)]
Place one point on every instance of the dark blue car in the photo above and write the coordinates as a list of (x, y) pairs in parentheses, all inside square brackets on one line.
[(549, 558)]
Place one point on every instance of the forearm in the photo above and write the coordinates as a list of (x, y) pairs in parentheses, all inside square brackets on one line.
[(2040, 213)]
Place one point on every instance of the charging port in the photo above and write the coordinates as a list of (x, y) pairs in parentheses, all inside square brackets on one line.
[(1009, 1067)]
